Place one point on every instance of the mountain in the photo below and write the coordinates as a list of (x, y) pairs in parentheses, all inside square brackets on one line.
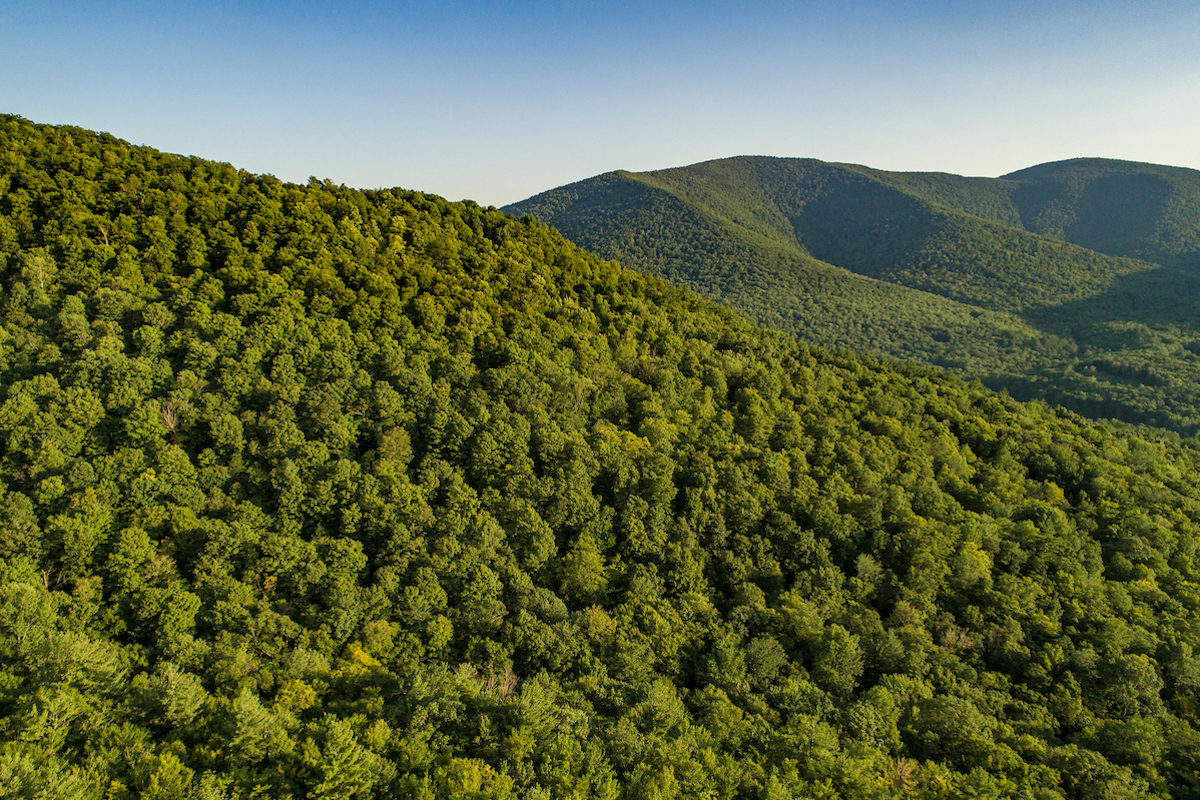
[(1074, 282), (315, 492)]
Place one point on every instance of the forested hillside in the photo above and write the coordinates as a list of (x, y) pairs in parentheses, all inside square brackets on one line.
[(1076, 282), (1122, 208), (317, 492)]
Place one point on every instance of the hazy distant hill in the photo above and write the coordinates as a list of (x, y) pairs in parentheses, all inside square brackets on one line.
[(1073, 281)]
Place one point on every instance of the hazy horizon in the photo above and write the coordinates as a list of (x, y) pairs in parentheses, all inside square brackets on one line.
[(469, 100)]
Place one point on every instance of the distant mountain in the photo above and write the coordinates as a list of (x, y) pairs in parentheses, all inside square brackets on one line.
[(1076, 281)]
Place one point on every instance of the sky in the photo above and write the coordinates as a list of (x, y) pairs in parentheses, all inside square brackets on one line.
[(495, 102)]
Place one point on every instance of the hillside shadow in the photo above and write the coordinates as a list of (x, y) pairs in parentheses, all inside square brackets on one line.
[(1167, 295), (1117, 214)]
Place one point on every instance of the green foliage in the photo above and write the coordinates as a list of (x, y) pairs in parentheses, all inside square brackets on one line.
[(309, 491), (1073, 282)]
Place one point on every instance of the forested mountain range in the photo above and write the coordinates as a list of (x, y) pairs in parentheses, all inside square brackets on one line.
[(307, 491), (1077, 282)]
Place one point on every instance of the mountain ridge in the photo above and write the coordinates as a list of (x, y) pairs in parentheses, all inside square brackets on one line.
[(1060, 251)]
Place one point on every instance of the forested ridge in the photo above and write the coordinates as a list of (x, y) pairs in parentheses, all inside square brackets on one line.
[(1074, 282), (315, 492)]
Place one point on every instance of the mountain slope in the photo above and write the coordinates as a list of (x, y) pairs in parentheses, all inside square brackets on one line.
[(1064, 308), (692, 245), (848, 218), (315, 492), (1124, 208), (1120, 208)]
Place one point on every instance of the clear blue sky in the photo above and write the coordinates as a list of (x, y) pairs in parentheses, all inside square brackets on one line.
[(496, 101)]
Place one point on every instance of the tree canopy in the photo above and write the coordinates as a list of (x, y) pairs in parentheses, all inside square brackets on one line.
[(317, 492)]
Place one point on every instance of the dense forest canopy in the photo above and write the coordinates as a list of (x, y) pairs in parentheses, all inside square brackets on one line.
[(317, 492), (1076, 282)]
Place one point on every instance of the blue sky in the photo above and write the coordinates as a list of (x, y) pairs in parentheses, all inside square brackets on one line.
[(496, 101)]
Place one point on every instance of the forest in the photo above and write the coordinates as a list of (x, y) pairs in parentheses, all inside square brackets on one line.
[(1073, 282), (314, 492)]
